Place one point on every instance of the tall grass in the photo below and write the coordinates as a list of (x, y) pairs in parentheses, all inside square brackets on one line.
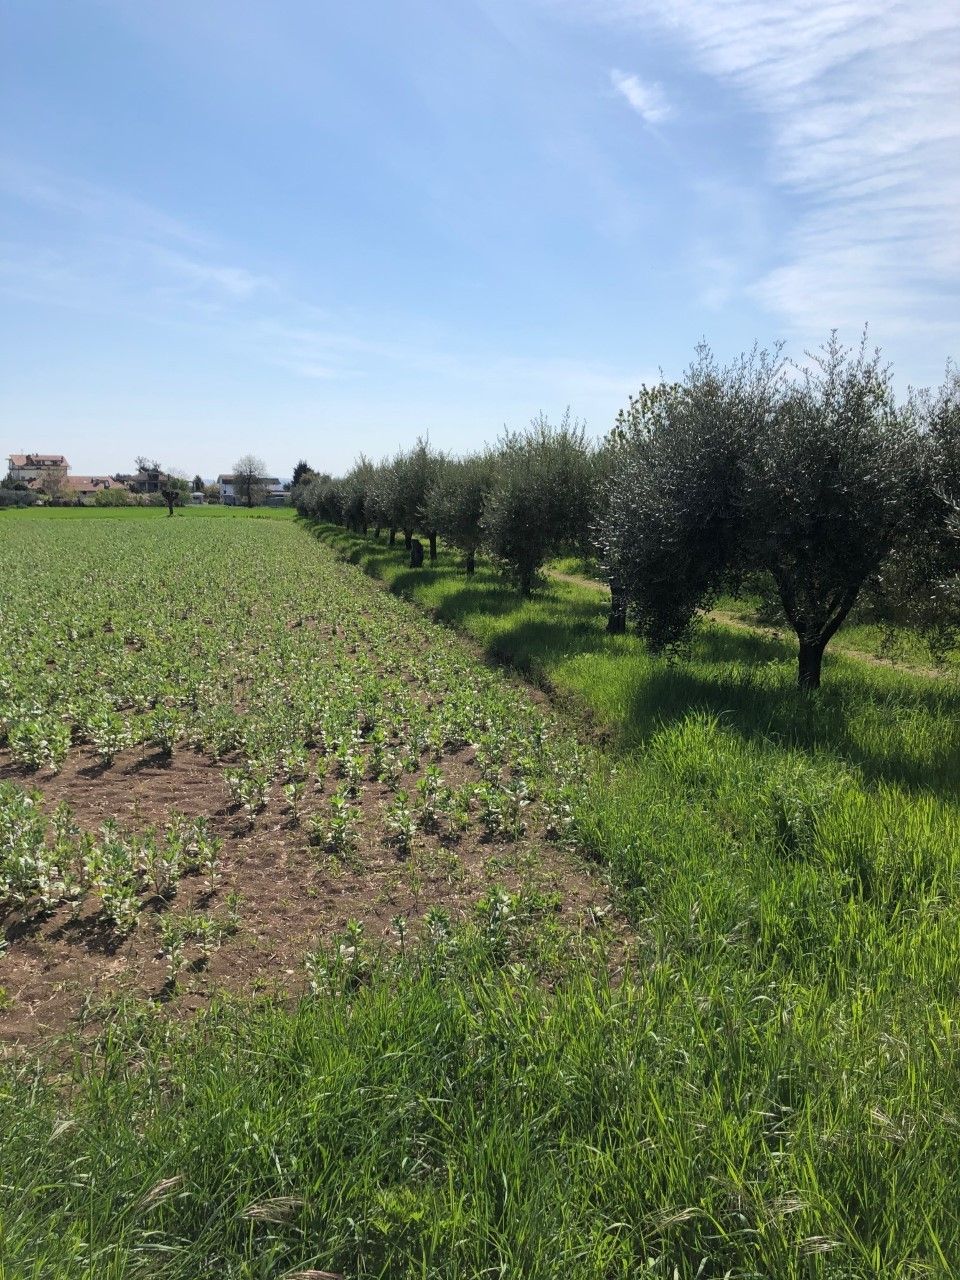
[(453, 1117)]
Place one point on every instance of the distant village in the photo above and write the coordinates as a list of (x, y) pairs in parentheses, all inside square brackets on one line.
[(35, 478)]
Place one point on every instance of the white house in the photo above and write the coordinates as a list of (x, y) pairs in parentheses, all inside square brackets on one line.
[(34, 469), (270, 486)]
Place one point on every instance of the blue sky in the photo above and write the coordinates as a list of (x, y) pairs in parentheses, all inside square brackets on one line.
[(309, 229)]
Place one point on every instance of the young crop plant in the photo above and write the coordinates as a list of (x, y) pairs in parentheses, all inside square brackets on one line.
[(113, 873), (400, 822), (435, 799), (389, 768), (248, 785), (497, 914), (293, 793), (164, 729), (461, 802), (165, 858), (108, 734), (40, 742), (151, 861), (378, 752), (173, 944), (202, 849), (516, 801), (206, 933), (342, 966), (560, 805), (338, 831), (293, 763), (29, 865), (352, 767), (220, 732), (68, 845), (501, 811)]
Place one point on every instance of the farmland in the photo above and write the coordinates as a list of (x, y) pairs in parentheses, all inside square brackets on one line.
[(659, 983), (212, 740)]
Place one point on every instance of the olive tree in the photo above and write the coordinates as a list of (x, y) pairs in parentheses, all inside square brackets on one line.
[(836, 480), (316, 497), (920, 583), (674, 504), (539, 498), (455, 503), (379, 501), (613, 458), (409, 480), (814, 479), (356, 491)]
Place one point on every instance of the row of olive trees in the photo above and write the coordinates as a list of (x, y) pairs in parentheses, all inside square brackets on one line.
[(813, 483), (523, 501)]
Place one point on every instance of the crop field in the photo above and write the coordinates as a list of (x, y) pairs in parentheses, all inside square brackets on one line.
[(331, 949), (220, 750)]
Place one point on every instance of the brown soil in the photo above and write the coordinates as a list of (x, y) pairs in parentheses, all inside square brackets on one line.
[(67, 969)]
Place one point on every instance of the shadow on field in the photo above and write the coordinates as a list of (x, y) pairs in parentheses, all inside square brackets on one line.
[(898, 739), (892, 727)]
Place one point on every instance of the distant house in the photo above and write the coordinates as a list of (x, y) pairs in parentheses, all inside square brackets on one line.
[(271, 487), (146, 480), (38, 470), (197, 498), (86, 488)]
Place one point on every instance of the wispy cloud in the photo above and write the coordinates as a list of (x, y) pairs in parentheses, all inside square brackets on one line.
[(862, 103), (114, 257), (102, 244), (235, 282), (74, 197), (645, 97)]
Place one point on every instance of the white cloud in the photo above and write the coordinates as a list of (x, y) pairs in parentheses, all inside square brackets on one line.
[(104, 206), (645, 97), (862, 104), (103, 242), (235, 282)]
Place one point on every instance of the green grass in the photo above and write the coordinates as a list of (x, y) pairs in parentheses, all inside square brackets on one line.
[(453, 1118), (895, 644), (771, 1090), (213, 510), (892, 725)]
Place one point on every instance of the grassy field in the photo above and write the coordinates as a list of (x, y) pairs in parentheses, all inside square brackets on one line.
[(211, 510), (758, 1077)]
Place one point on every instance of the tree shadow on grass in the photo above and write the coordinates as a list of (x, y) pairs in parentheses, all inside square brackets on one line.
[(767, 713)]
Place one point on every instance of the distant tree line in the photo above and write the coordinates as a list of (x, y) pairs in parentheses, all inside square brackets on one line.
[(812, 484)]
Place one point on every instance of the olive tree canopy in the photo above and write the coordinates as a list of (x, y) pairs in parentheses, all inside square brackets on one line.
[(539, 498), (455, 503), (813, 476)]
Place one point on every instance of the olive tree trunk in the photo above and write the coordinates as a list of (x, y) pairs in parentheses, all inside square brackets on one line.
[(617, 621), (810, 663)]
